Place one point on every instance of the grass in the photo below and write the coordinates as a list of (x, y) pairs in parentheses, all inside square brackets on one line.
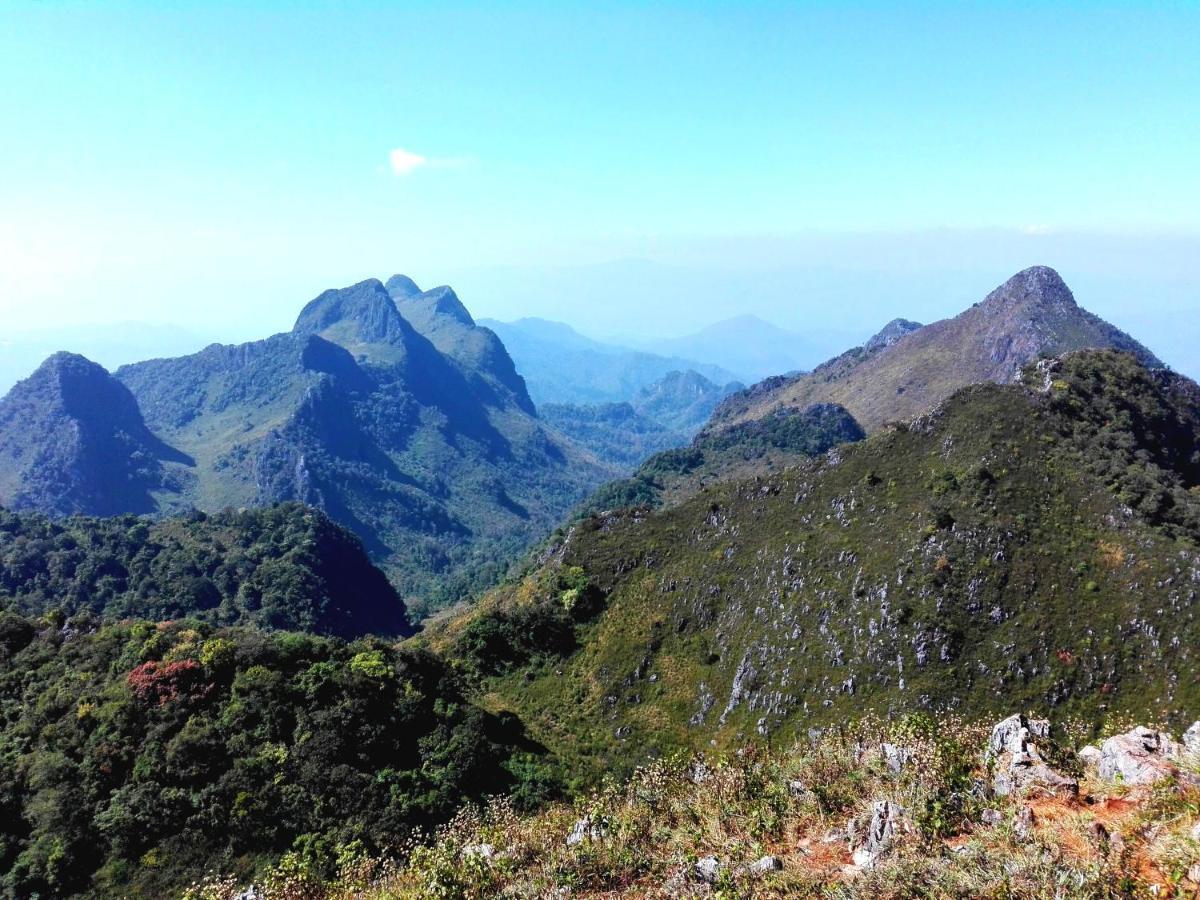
[(649, 831)]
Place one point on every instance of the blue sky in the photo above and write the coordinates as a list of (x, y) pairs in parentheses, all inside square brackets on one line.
[(214, 165)]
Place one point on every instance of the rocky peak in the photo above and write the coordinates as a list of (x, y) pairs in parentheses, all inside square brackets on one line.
[(401, 286), (82, 388), (363, 312), (890, 333), (1035, 286), (438, 301)]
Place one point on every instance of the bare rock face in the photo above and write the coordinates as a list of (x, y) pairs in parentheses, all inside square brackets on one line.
[(1019, 766), (1141, 756)]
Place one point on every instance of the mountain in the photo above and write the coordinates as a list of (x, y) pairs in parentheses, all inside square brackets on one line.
[(72, 440), (412, 429), (904, 372), (682, 400), (661, 415), (746, 344), (1026, 545), (562, 366), (287, 567)]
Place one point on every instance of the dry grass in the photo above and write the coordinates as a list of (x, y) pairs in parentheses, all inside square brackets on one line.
[(1108, 842)]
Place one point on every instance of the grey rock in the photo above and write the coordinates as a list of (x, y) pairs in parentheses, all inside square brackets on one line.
[(887, 821), (708, 869), (587, 829), (1140, 756), (1191, 739), (1196, 832), (1019, 766), (765, 865), (1023, 824), (1194, 873), (991, 817), (1090, 756), (895, 757)]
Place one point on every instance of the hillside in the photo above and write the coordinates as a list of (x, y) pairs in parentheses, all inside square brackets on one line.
[(412, 428), (287, 567), (903, 373), (1031, 545), (562, 366), (752, 449), (139, 756)]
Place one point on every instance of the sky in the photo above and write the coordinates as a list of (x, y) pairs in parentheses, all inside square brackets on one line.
[(632, 169)]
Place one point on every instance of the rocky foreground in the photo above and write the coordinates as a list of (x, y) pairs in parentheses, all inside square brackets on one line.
[(916, 808)]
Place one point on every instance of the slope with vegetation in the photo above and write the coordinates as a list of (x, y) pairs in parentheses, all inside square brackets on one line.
[(906, 371), (286, 567), (136, 757), (1032, 545)]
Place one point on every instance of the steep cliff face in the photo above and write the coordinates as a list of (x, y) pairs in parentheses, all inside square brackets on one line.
[(905, 372)]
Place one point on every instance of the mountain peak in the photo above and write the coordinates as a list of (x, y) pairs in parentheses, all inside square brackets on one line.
[(890, 333), (440, 301), (361, 313), (402, 286), (1040, 285)]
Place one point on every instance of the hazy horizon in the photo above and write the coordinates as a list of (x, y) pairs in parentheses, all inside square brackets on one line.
[(629, 171)]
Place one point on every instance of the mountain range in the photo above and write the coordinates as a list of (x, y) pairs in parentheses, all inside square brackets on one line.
[(385, 406), (560, 365), (906, 371)]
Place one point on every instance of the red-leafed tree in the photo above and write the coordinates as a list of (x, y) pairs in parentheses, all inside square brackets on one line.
[(159, 683)]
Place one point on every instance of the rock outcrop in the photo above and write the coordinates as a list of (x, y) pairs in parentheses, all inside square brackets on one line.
[(1018, 764)]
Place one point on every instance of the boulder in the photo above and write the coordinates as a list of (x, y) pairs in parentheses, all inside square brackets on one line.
[(1019, 767), (1140, 756), (1090, 756), (896, 758), (991, 817), (1196, 832)]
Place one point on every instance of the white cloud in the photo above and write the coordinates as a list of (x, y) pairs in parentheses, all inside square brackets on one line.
[(405, 162)]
